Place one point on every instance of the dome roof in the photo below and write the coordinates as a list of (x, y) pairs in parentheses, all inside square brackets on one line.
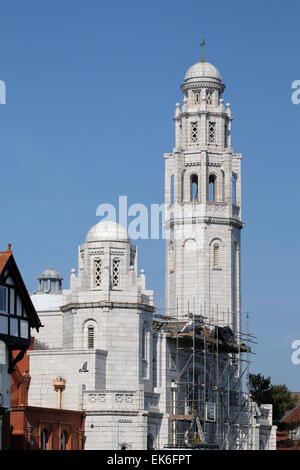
[(50, 274), (107, 230), (203, 70)]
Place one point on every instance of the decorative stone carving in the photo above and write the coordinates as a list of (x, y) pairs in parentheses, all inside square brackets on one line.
[(97, 253), (117, 252), (124, 398), (97, 398)]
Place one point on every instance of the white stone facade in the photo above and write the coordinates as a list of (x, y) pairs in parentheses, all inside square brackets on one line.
[(100, 340), (203, 195), (102, 336)]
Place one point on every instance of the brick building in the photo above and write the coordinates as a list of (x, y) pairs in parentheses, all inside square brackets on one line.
[(288, 434), (33, 428)]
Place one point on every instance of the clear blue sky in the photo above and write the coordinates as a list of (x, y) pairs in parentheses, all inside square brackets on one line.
[(91, 91)]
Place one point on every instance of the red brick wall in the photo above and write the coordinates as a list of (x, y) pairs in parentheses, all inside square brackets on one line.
[(283, 434), (29, 422)]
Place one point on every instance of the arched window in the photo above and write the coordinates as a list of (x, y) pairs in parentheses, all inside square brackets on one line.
[(261, 445), (197, 97), (216, 255), (90, 334), (233, 188), (182, 186), (150, 442), (215, 251), (145, 351), (212, 188), (194, 188), (171, 257), (144, 344), (91, 337), (223, 185), (44, 439), (63, 440), (226, 134), (172, 190)]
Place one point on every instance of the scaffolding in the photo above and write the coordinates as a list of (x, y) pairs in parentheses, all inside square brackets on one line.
[(209, 403)]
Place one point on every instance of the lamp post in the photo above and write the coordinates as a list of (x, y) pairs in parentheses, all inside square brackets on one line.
[(59, 384), (174, 388)]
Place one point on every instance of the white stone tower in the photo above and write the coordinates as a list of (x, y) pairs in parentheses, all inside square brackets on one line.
[(203, 204)]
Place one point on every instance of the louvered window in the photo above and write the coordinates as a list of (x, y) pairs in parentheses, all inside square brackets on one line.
[(216, 256), (91, 337)]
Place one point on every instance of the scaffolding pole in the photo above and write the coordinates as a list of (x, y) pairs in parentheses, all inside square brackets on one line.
[(209, 404)]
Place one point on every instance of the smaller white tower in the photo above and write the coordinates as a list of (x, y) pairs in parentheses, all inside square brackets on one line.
[(104, 346)]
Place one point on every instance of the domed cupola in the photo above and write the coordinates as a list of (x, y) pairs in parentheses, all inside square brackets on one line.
[(202, 75), (107, 231), (50, 281)]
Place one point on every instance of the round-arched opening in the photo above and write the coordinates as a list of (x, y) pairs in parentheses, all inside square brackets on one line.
[(63, 440), (194, 187), (212, 188), (150, 442)]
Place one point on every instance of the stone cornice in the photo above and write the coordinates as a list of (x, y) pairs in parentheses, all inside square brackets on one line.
[(107, 304), (211, 111), (205, 220), (202, 84), (123, 413)]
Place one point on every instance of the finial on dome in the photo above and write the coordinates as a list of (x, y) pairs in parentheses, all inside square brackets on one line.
[(202, 47)]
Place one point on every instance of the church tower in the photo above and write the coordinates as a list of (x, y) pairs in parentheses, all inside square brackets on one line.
[(203, 204)]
